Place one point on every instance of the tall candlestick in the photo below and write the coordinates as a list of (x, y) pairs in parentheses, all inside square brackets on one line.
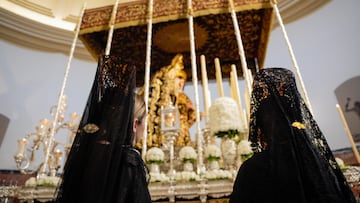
[(219, 77), (354, 148), (43, 168), (205, 85), (237, 94)]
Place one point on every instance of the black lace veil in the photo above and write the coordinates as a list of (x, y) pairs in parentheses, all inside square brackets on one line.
[(301, 162), (92, 169)]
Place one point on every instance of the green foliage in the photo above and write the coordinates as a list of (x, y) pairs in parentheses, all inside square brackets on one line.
[(229, 134), (189, 160), (154, 162), (213, 158)]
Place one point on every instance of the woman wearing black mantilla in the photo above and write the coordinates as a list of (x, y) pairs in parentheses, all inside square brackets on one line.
[(292, 161), (102, 165)]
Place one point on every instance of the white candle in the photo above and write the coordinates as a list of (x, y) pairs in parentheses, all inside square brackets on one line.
[(219, 77), (43, 127), (73, 117), (209, 97), (57, 154), (205, 84), (22, 147), (250, 76), (247, 103), (232, 86), (237, 93)]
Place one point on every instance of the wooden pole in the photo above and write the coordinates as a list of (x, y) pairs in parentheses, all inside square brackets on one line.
[(346, 127)]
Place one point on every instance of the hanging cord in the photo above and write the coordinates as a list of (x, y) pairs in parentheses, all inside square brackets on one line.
[(199, 139), (147, 72), (246, 71), (61, 101), (290, 49), (111, 31)]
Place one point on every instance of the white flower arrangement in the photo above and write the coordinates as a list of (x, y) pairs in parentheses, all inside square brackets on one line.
[(187, 153), (224, 118), (154, 156), (31, 182), (47, 181), (218, 174), (244, 149), (212, 152), (340, 162), (186, 176)]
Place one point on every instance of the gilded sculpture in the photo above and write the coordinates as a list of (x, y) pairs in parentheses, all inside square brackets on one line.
[(166, 85)]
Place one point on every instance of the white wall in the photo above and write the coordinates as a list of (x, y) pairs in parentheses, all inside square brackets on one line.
[(325, 43)]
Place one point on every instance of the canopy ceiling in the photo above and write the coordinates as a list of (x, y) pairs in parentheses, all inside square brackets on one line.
[(213, 30), (49, 25)]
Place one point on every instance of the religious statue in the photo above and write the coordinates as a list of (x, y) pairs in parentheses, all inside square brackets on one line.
[(186, 110), (166, 85)]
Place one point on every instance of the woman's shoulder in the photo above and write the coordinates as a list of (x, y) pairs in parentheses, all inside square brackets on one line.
[(133, 157), (258, 160)]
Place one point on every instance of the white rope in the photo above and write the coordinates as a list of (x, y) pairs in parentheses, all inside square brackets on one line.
[(61, 96), (242, 56), (111, 31), (290, 49), (147, 72), (195, 84)]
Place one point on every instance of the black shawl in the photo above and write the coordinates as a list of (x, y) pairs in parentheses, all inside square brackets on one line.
[(292, 160)]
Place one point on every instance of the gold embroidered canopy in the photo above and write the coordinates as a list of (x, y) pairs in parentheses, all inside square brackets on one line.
[(213, 30)]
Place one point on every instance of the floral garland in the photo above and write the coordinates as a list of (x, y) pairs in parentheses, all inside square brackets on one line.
[(47, 181), (154, 156), (218, 174), (158, 177), (186, 176)]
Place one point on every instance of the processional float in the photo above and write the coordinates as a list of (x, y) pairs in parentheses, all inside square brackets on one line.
[(201, 31), (204, 27), (150, 33)]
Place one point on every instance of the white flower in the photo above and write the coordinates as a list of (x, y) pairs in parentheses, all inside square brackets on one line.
[(186, 176), (154, 155), (212, 152), (224, 116), (187, 153), (45, 181), (218, 174), (244, 147), (31, 182), (340, 162), (158, 177)]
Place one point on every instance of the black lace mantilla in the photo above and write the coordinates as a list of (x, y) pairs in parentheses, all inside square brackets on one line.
[(283, 132)]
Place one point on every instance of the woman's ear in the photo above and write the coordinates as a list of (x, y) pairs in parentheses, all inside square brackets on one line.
[(135, 125)]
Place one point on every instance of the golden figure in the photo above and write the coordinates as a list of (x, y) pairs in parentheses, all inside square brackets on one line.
[(167, 85), (186, 110), (162, 85)]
